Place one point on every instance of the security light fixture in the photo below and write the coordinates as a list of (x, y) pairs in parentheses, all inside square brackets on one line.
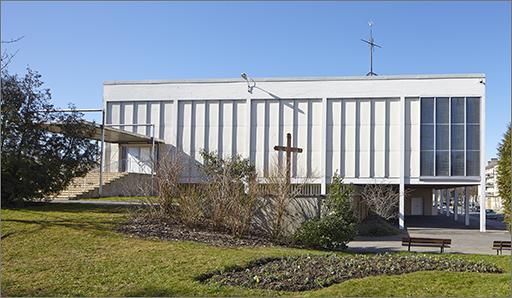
[(250, 82)]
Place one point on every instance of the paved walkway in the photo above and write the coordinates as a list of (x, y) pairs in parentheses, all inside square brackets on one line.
[(464, 239), (98, 202)]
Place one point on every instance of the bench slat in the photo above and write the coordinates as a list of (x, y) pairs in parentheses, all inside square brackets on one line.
[(426, 245), (500, 246), (426, 242)]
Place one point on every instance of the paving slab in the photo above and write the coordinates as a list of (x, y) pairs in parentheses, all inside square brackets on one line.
[(465, 239)]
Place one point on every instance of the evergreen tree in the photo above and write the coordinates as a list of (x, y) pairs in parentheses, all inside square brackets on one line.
[(35, 162), (504, 175)]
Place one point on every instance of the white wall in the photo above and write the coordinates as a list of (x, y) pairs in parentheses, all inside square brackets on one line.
[(362, 126)]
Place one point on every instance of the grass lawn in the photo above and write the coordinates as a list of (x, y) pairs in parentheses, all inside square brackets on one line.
[(71, 249)]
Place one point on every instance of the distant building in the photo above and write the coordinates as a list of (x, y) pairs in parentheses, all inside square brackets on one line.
[(491, 185)]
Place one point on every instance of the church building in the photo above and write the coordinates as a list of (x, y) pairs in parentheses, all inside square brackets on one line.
[(423, 133)]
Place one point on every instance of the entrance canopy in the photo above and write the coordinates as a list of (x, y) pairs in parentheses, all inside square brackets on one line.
[(112, 135)]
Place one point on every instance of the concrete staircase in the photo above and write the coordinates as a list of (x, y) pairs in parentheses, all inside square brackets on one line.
[(84, 186)]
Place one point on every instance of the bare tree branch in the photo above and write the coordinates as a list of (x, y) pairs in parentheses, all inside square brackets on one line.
[(382, 199), (6, 57), (13, 40)]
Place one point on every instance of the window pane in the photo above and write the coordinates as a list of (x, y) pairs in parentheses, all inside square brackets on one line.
[(457, 110), (427, 110), (427, 137), (457, 137), (473, 137), (442, 163), (427, 163), (473, 110), (442, 110), (457, 163), (473, 163), (442, 137)]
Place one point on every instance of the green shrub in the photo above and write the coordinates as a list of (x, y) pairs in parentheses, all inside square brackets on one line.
[(329, 232), (338, 227), (377, 226), (504, 175)]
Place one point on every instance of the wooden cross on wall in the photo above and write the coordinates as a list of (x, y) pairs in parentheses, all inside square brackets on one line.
[(288, 149)]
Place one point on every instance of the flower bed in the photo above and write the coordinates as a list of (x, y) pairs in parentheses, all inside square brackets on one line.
[(168, 230), (311, 272)]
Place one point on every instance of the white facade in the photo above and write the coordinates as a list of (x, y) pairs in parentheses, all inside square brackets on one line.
[(367, 129)]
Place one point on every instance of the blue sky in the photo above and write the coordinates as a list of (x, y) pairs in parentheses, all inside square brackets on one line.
[(78, 45)]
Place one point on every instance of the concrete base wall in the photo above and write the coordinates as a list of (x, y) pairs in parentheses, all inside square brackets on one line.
[(296, 212)]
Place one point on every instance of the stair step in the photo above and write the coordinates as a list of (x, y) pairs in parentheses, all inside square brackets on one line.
[(88, 183)]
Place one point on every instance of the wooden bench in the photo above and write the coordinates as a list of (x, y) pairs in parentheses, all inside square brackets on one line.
[(499, 246), (426, 242)]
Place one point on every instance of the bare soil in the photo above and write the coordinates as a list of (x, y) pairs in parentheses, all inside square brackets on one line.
[(168, 230), (312, 272)]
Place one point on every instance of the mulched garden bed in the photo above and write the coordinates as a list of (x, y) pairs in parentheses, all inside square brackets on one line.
[(168, 230), (312, 272)]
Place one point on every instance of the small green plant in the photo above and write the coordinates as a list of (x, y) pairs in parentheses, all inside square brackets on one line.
[(309, 272), (337, 227)]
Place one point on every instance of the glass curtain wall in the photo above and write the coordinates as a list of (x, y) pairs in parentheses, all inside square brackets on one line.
[(450, 136)]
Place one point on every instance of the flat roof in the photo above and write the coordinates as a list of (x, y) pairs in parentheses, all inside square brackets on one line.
[(301, 79), (112, 135)]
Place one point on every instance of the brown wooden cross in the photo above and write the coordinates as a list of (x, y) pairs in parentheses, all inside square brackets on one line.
[(289, 149)]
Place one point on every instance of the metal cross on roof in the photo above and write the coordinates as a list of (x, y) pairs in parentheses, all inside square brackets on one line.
[(372, 44)]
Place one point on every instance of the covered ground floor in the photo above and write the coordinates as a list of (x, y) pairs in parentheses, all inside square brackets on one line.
[(456, 203), (465, 239)]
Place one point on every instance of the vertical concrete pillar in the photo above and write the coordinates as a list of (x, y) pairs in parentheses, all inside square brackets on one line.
[(401, 205), (324, 146), (481, 195), (466, 206), (248, 130), (455, 204), (482, 159), (434, 200), (440, 198), (441, 201), (447, 200)]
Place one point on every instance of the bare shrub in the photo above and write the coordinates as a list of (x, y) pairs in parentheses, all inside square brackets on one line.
[(382, 199), (168, 174), (280, 194), (243, 207), (189, 205), (231, 191)]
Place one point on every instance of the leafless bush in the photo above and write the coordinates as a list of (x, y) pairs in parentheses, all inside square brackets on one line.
[(190, 205), (221, 190), (166, 183), (281, 194), (243, 207), (168, 174), (382, 199), (232, 192)]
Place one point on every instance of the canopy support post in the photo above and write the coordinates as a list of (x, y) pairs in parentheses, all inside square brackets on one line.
[(100, 189)]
